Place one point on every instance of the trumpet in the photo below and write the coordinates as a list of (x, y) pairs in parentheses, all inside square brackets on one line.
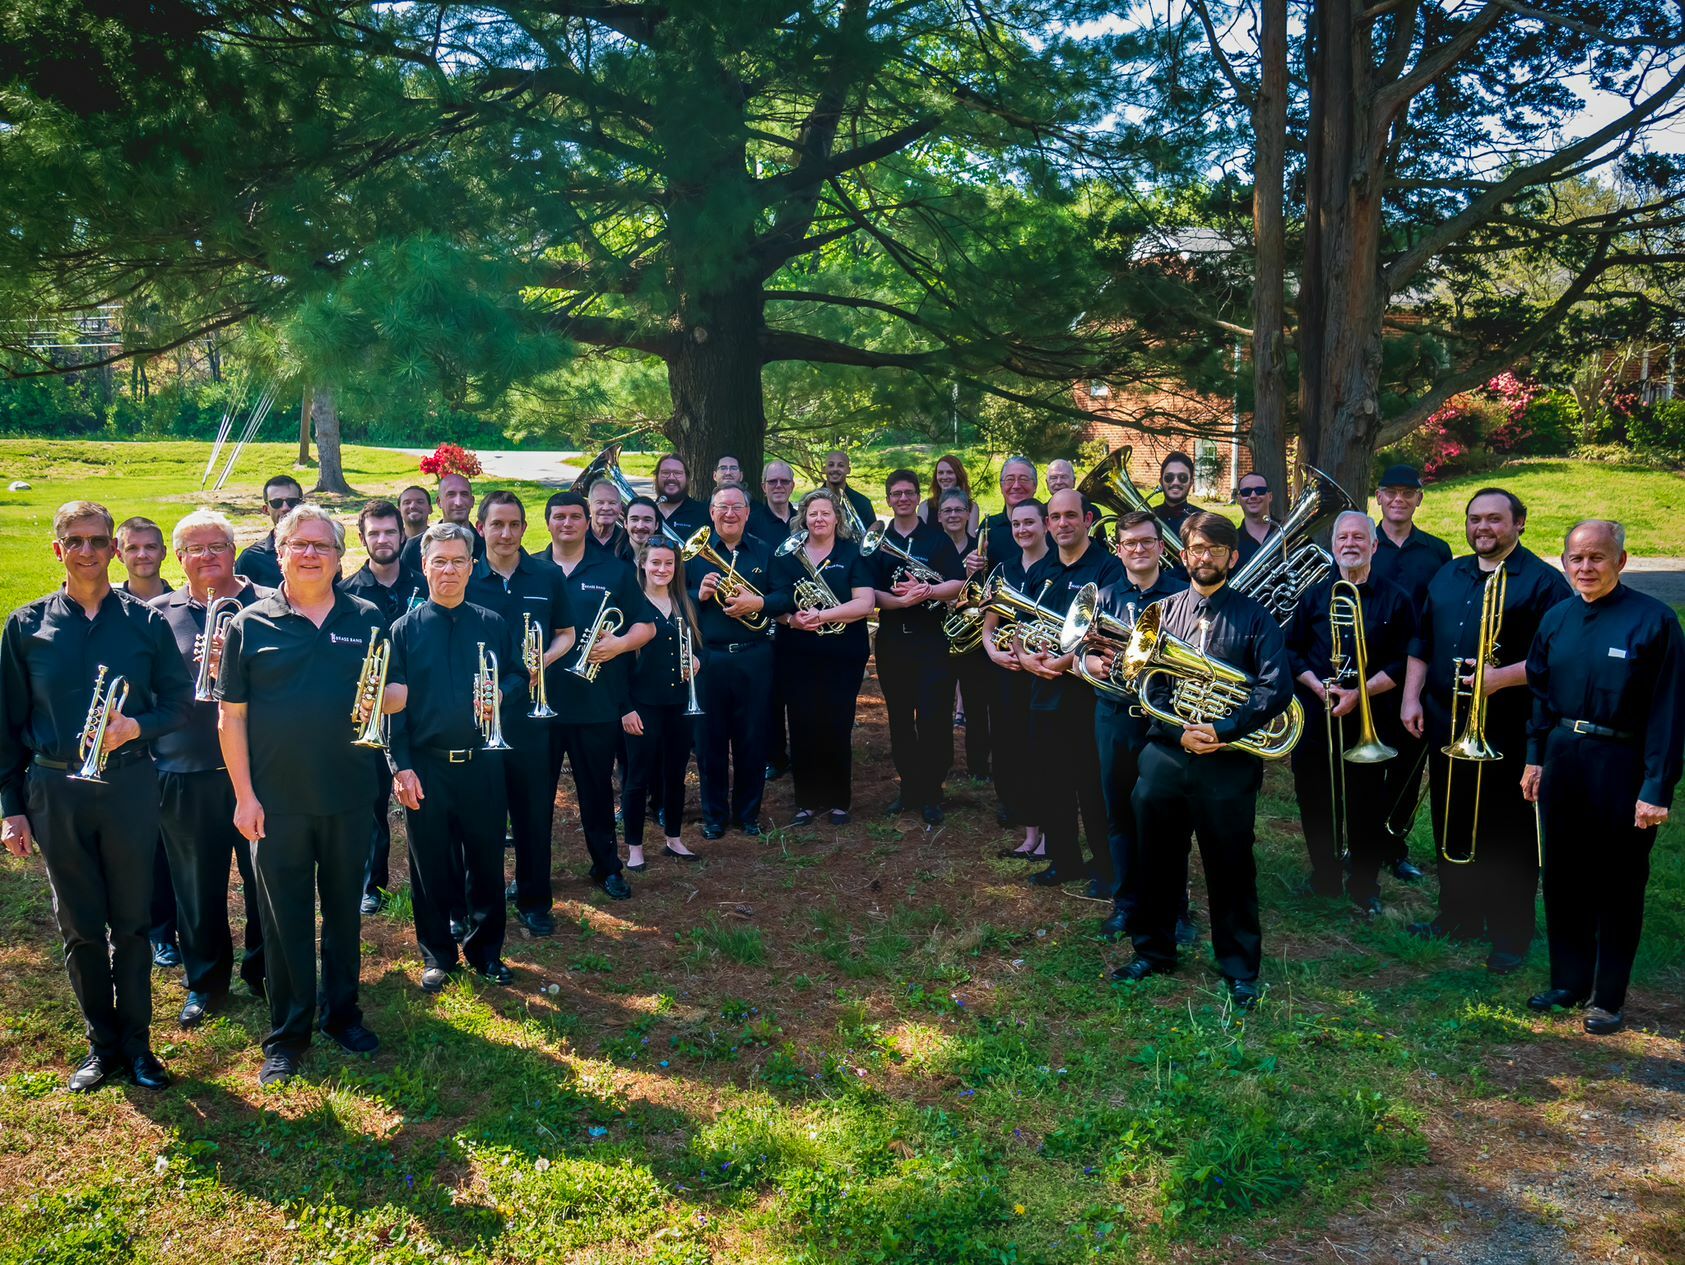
[(608, 619), (90, 744), (1108, 484), (532, 655), (1086, 629), (1203, 689), (686, 666), (487, 713), (813, 593), (1471, 743), (218, 612), (606, 465), (731, 584), (1289, 561), (366, 716)]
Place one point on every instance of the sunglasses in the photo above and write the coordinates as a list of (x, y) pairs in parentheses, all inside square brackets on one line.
[(1254, 491), (73, 543), (1176, 478), (285, 502)]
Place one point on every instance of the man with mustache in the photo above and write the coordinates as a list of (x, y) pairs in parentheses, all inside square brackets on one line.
[(682, 513)]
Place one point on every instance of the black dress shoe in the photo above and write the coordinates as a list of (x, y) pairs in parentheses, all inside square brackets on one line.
[(639, 868), (90, 1074), (496, 972), (1050, 877), (1406, 872), (933, 815), (751, 829), (1245, 993), (1554, 998), (1116, 924), (537, 922), (147, 1072), (165, 955), (434, 979), (459, 931), (368, 906), (895, 806), (1370, 908), (1604, 1023), (801, 819), (838, 817), (617, 887), (1504, 963), (353, 1038), (194, 1012), (711, 833), (278, 1068), (667, 851), (1135, 971), (1186, 932), (1019, 854)]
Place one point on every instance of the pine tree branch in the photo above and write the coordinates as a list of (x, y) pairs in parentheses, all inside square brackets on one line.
[(790, 345), (1433, 63), (609, 331), (1243, 91)]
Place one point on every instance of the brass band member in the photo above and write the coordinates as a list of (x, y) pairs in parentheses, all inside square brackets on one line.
[(1193, 782), (949, 475), (97, 838), (258, 561), (463, 668), (837, 469), (288, 682), (1175, 483), (606, 515), (415, 504), (1256, 525), (997, 539), (771, 520), (1607, 673), (1340, 800), (1014, 780), (975, 697), (197, 799), (456, 505), (680, 511), (1487, 890)]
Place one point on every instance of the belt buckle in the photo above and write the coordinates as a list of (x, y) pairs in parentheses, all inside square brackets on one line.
[(1585, 728), (459, 757)]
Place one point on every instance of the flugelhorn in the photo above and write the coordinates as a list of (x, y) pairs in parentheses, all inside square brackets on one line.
[(731, 584), (812, 593), (1471, 743), (218, 612), (532, 655), (608, 619), (1109, 485), (90, 744), (606, 465), (487, 712), (366, 715), (1289, 561)]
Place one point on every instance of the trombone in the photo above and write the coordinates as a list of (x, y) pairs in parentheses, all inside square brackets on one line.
[(1345, 620), (608, 619), (366, 715), (731, 584), (219, 611), (487, 712), (90, 744), (813, 593), (532, 655), (1471, 743)]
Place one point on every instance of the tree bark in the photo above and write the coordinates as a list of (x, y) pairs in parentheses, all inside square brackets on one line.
[(714, 376), (304, 427), (330, 472), (1269, 123)]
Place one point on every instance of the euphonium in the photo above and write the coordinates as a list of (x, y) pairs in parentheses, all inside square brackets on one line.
[(687, 665), (1035, 628), (606, 465), (813, 593), (1471, 743), (964, 626), (218, 612), (1345, 619), (1203, 689), (90, 744), (731, 584), (532, 655), (366, 715), (1289, 561), (487, 712), (1088, 629), (1108, 484), (607, 620)]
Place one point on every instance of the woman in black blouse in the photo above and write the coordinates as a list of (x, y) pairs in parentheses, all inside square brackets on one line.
[(821, 671), (659, 735)]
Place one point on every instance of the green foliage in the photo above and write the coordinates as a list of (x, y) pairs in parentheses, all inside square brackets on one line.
[(1552, 422), (95, 1227), (714, 939), (1659, 429)]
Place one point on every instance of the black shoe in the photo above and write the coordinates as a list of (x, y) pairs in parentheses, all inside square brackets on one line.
[(1370, 908), (353, 1038), (537, 922), (165, 955), (617, 887), (90, 1074), (512, 892), (1406, 872), (147, 1072), (496, 972), (1245, 993), (1186, 932), (259, 989), (369, 905), (1603, 1023), (197, 1007), (459, 931), (667, 851), (639, 868), (1434, 930), (434, 979), (1504, 963), (933, 815), (711, 833), (1116, 924), (895, 806), (1002, 818), (751, 829), (1135, 971), (278, 1068), (1050, 877), (838, 817), (1553, 998), (802, 819), (773, 772)]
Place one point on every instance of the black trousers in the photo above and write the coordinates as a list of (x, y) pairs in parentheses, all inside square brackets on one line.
[(590, 750), (1015, 777), (456, 843), (977, 682), (1215, 799), (1362, 805), (917, 678), (777, 739), (657, 760), (1401, 787), (529, 788), (1115, 738), (1066, 762), (1492, 896), (165, 915), (734, 691), (98, 843), (1596, 864), (196, 814), (299, 860), (378, 877), (822, 694)]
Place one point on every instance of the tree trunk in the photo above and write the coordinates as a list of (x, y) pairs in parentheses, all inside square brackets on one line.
[(304, 428), (715, 381), (1269, 123), (330, 473)]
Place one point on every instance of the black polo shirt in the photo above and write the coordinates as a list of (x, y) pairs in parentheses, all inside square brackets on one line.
[(436, 652), (619, 544), (1250, 544), (688, 517), (656, 679), (1174, 518), (579, 702), (1411, 565), (259, 563), (767, 527), (535, 587), (996, 528), (50, 655), (931, 546), (754, 564), (194, 747), (411, 555), (299, 685), (407, 591), (1389, 623), (843, 571), (167, 589), (1096, 566), (1241, 633)]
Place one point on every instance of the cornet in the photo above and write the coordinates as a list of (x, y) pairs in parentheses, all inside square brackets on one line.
[(366, 715), (731, 584), (90, 745), (218, 612), (1471, 743), (532, 655), (813, 593), (608, 620), (487, 713)]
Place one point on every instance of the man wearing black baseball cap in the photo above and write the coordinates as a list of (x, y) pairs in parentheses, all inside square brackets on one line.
[(1408, 557)]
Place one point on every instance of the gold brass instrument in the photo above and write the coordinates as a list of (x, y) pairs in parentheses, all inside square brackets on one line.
[(1203, 689), (1345, 620), (1289, 561), (1033, 626), (851, 516), (1088, 629), (606, 465), (731, 584), (90, 744), (532, 655), (218, 612), (366, 716), (813, 593), (687, 665), (1471, 743), (487, 712), (608, 619), (964, 626), (1109, 485), (877, 538)]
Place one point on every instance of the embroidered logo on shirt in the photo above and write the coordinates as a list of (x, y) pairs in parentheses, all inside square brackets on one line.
[(1615, 652), (337, 640)]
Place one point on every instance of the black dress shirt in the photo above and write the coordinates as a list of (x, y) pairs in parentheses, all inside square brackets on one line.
[(688, 517), (1250, 544), (843, 571), (1237, 631), (1096, 566), (194, 747), (50, 654), (299, 684), (436, 652), (767, 527), (1124, 600), (754, 564), (1411, 565), (1389, 623), (395, 599), (259, 563), (1174, 518), (580, 702), (931, 546), (411, 555), (1618, 662), (656, 679)]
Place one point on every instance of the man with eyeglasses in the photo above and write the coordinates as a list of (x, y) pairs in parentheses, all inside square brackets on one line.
[(456, 505), (683, 514), (1018, 483), (258, 561), (195, 796), (97, 838), (728, 472), (1256, 525)]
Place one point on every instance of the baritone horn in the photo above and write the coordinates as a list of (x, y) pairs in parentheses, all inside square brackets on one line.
[(218, 612), (606, 465), (1289, 561), (532, 655), (366, 715), (1471, 744), (487, 712), (90, 744), (608, 619), (812, 593)]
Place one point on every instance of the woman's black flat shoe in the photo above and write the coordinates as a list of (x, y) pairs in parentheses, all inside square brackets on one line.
[(636, 869), (679, 856), (803, 818)]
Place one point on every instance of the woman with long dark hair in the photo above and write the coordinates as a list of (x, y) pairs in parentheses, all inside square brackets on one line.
[(949, 474)]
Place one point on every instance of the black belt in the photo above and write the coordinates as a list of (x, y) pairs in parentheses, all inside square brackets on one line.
[(1588, 730), (461, 755), (116, 760), (738, 647)]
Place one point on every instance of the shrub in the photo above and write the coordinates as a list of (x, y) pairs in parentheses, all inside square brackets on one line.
[(1659, 428), (1553, 420)]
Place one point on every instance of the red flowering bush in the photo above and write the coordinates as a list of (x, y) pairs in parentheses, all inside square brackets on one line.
[(451, 459)]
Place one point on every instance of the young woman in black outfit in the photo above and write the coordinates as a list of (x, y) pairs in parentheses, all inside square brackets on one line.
[(659, 735), (821, 671), (974, 675)]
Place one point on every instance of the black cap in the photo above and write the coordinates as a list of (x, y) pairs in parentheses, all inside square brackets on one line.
[(1400, 476)]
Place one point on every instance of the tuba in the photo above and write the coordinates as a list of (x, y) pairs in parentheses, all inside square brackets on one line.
[(608, 619), (532, 655), (487, 712), (1471, 743), (731, 584), (1088, 629), (813, 593), (218, 612), (371, 692), (1109, 485), (1289, 561), (90, 743), (606, 465), (1203, 689)]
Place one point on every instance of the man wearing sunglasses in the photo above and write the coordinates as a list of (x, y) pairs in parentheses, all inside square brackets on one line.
[(257, 561), (1175, 482), (1255, 521)]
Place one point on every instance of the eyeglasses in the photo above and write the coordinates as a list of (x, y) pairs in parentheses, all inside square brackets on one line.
[(449, 564), (96, 543), (299, 547), (1136, 546), (1205, 551), (208, 551), (285, 502), (779, 483), (1264, 491)]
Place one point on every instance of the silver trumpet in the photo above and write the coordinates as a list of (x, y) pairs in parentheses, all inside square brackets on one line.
[(90, 745), (607, 620), (686, 666), (532, 655), (1289, 561), (813, 593), (487, 714), (218, 612)]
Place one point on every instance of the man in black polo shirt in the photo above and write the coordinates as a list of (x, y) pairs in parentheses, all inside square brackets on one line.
[(415, 504), (770, 522), (606, 514), (526, 591), (1256, 525), (195, 795), (682, 513), (1062, 747), (288, 685), (735, 685), (257, 561), (587, 726), (1409, 558), (914, 666), (837, 468), (393, 588), (1018, 481), (456, 505), (97, 839), (450, 784)]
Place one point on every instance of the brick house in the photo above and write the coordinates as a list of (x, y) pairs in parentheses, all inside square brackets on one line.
[(1205, 427)]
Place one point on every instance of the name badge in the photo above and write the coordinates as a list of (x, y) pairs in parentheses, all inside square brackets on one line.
[(1615, 652)]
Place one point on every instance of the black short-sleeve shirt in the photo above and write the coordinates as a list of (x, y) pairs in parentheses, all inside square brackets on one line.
[(405, 593), (753, 565), (1061, 581), (534, 588), (581, 702), (194, 747), (656, 675), (687, 518), (767, 527), (259, 564), (931, 546), (843, 571)]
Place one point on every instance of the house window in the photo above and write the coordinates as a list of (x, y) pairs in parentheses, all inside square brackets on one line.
[(1099, 391), (1208, 469)]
